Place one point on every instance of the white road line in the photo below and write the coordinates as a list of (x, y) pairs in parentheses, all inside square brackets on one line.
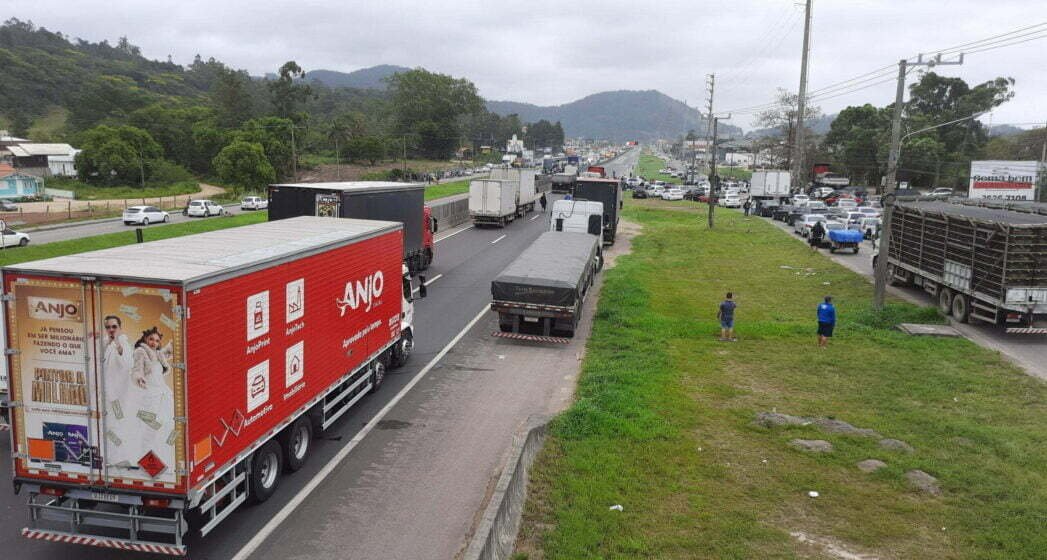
[(427, 282), (499, 239), (536, 217), (286, 511), (453, 234)]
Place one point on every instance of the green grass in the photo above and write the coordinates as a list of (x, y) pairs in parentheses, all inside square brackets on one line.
[(442, 190), (663, 422), (152, 233), (648, 167), (92, 192), (734, 172)]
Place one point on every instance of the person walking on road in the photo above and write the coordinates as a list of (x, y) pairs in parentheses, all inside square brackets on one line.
[(747, 206), (817, 234), (543, 202), (726, 316), (826, 321)]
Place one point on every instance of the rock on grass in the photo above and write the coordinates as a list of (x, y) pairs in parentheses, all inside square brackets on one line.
[(812, 445), (834, 426), (871, 465), (772, 419)]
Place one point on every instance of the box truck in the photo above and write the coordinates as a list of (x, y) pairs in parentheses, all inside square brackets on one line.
[(146, 387), (527, 178), (982, 263), (365, 200), (1007, 180), (539, 296), (498, 203), (577, 216), (770, 185), (609, 193)]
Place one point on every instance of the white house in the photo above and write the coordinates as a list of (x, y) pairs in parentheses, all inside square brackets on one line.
[(44, 159)]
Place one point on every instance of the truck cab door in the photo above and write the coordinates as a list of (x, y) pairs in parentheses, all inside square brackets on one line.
[(595, 224)]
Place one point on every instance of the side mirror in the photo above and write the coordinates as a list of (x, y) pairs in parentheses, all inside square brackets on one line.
[(422, 289)]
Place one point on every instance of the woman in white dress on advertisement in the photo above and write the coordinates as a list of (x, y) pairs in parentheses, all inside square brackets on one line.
[(154, 399)]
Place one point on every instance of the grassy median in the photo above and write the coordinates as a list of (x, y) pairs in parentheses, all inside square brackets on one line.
[(648, 167), (664, 419), (432, 192), (105, 241)]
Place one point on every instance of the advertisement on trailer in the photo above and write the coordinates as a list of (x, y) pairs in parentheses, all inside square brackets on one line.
[(1006, 180)]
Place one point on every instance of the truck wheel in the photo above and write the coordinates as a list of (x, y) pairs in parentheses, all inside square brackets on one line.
[(297, 441), (961, 310), (265, 471), (377, 376), (944, 300), (402, 350)]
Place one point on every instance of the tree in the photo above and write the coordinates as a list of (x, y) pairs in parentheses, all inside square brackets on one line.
[(106, 97), (172, 128), (286, 95), (208, 140), (368, 148), (345, 127), (854, 140), (116, 155), (244, 165), (782, 120), (432, 109), (231, 96)]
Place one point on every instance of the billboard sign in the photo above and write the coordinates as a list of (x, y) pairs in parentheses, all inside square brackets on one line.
[(1005, 180)]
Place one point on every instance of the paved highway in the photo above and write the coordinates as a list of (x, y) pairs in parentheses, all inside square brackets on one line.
[(415, 480), (98, 227)]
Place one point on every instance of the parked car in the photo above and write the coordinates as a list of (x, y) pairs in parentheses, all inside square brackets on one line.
[(203, 208), (254, 203), (816, 207), (802, 226), (8, 206), (672, 194), (639, 193), (800, 199), (12, 238), (870, 227), (144, 215), (941, 191), (765, 208), (821, 192), (781, 212)]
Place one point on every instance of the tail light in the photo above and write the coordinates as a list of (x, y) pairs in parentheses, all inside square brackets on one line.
[(156, 502), (52, 491)]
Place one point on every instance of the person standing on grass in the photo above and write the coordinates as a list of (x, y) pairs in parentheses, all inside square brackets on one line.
[(748, 205), (817, 234), (544, 202), (826, 321), (726, 316)]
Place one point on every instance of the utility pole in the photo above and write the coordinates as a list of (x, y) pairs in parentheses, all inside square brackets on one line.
[(798, 173), (710, 135), (880, 284), (714, 180)]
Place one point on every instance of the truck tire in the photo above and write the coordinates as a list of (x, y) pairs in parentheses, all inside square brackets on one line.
[(856, 248), (377, 375), (402, 350), (266, 465), (297, 442), (944, 300), (427, 259), (961, 308)]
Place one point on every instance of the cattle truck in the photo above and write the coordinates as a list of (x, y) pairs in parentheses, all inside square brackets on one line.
[(983, 263), (768, 185), (608, 192), (539, 296), (146, 387), (365, 200)]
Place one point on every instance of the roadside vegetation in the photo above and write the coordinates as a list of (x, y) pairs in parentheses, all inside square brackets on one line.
[(664, 422), (105, 241), (85, 191), (432, 192)]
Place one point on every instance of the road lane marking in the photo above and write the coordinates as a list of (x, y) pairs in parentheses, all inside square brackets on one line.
[(499, 239), (286, 511), (427, 282), (453, 234), (536, 217)]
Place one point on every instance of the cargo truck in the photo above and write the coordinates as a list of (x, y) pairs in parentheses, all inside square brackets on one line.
[(365, 200), (982, 263), (564, 181), (539, 296), (146, 387), (609, 193), (497, 203), (770, 185)]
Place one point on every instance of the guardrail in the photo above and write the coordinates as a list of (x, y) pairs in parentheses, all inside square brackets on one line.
[(451, 211), (495, 536)]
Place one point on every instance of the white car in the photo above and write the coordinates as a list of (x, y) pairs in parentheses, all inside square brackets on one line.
[(655, 191), (802, 227), (801, 200), (672, 194), (254, 203), (203, 208), (12, 238), (144, 215), (822, 192), (730, 200)]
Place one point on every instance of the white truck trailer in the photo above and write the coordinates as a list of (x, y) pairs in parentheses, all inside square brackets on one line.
[(770, 184)]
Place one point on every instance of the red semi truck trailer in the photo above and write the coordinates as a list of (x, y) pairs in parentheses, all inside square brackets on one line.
[(177, 379)]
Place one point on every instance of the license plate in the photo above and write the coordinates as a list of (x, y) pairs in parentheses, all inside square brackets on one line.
[(104, 497), (530, 319)]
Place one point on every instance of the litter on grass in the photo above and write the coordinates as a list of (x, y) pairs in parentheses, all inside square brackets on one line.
[(617, 507)]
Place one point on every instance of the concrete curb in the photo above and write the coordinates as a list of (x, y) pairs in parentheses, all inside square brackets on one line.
[(71, 224), (496, 535)]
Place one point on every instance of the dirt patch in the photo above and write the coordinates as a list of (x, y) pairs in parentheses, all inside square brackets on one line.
[(831, 547), (623, 243), (354, 172)]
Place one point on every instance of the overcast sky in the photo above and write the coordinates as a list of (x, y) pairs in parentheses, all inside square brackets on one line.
[(538, 52)]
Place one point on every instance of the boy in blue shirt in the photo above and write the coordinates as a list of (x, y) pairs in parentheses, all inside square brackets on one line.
[(826, 321), (726, 316)]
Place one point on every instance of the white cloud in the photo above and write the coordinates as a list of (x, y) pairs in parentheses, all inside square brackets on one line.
[(554, 52)]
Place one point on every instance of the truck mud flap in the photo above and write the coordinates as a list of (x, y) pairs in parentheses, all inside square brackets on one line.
[(1026, 330), (532, 337)]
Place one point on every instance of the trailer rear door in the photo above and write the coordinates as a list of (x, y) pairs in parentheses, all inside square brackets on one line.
[(94, 409)]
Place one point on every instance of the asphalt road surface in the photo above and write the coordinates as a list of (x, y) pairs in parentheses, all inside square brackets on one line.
[(414, 482), (98, 227)]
